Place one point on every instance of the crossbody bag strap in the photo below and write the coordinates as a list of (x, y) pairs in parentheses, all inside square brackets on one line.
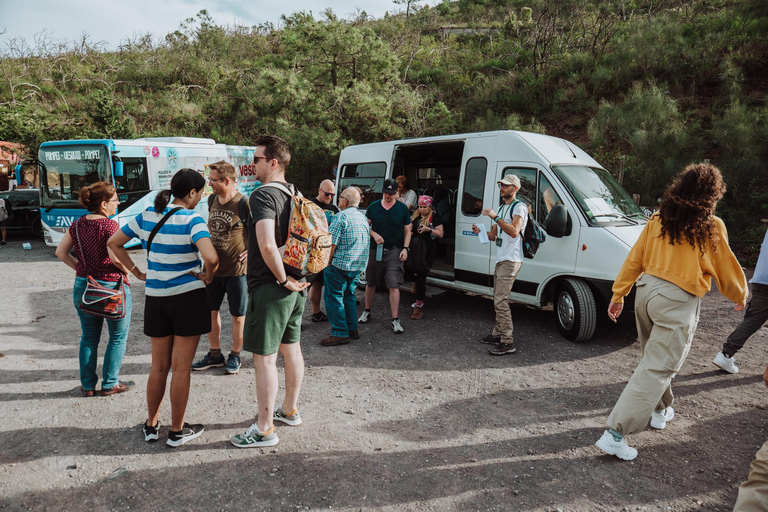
[(158, 226)]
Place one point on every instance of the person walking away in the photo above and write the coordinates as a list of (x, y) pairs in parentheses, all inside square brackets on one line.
[(391, 231), (176, 310), (275, 299), (508, 225), (227, 217), (88, 236), (349, 256), (428, 226), (755, 315), (406, 194), (325, 194), (753, 494), (680, 249)]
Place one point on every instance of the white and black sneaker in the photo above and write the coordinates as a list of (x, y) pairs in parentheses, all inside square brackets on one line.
[(151, 434), (187, 433), (396, 327), (365, 317)]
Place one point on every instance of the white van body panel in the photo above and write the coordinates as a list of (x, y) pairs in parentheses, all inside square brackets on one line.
[(602, 250)]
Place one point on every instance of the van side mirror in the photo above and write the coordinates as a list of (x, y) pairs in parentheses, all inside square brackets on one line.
[(118, 169), (557, 221)]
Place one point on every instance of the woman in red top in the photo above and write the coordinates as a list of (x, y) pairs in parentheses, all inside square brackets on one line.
[(93, 258)]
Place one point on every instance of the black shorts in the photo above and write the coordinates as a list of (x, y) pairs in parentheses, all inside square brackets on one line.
[(186, 314), (316, 279), (236, 290)]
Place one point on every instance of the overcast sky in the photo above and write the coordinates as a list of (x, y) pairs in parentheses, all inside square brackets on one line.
[(113, 21)]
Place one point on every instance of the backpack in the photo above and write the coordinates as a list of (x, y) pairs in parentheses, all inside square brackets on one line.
[(533, 235), (416, 263), (243, 210), (308, 247), (3, 211)]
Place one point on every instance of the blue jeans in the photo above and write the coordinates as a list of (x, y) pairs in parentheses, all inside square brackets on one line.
[(340, 302), (90, 325)]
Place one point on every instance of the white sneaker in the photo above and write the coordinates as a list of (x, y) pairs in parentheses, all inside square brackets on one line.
[(364, 317), (659, 420), (725, 363), (396, 327), (618, 448)]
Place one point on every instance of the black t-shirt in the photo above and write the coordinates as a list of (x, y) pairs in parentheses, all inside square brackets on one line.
[(430, 240), (388, 223), (329, 209), (266, 203)]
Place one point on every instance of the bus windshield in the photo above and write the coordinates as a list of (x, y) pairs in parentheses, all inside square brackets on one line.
[(64, 170), (600, 197)]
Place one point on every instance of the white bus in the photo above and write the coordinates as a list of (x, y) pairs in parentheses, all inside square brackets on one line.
[(591, 221), (138, 168)]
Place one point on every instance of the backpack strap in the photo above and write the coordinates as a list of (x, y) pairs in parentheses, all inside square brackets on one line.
[(210, 201), (292, 191), (158, 226)]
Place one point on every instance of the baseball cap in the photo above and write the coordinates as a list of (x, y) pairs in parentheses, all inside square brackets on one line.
[(390, 186), (510, 179)]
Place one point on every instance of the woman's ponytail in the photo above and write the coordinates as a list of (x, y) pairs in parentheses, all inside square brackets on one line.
[(162, 199)]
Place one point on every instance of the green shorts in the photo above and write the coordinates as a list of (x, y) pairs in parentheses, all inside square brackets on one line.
[(273, 317)]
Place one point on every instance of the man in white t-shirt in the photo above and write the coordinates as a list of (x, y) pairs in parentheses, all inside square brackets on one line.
[(509, 224)]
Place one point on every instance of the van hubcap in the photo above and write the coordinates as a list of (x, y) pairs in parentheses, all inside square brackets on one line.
[(565, 310)]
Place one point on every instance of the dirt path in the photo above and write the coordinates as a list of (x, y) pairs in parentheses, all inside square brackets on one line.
[(423, 421)]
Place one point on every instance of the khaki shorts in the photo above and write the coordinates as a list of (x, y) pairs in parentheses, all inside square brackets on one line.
[(273, 316)]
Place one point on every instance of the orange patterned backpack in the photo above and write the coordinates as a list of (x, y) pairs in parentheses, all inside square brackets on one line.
[(308, 247)]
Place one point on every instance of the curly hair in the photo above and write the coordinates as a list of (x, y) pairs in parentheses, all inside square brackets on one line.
[(688, 210)]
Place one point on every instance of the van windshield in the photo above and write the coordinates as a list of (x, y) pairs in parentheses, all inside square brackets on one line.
[(600, 197)]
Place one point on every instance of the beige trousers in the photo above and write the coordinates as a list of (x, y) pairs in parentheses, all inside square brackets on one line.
[(666, 317), (503, 278), (753, 494)]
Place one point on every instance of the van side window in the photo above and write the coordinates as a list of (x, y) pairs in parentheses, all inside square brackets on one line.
[(527, 192), (369, 176), (548, 198), (474, 186)]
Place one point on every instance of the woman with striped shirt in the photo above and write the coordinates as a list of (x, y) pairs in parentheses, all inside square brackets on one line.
[(176, 310)]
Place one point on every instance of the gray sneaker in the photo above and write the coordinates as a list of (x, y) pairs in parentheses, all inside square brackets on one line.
[(291, 419), (396, 327), (365, 317), (252, 438)]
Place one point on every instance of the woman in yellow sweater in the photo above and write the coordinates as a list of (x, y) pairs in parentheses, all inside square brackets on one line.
[(680, 249)]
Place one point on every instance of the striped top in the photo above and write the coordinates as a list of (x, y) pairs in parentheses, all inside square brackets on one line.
[(174, 253)]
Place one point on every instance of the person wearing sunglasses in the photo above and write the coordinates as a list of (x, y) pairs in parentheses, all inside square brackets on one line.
[(325, 194)]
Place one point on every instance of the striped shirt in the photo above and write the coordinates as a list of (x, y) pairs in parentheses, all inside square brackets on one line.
[(174, 253), (350, 232)]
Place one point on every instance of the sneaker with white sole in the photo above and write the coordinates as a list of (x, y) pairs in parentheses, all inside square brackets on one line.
[(187, 433), (365, 317), (291, 419), (659, 419), (396, 327), (725, 363), (151, 433), (252, 438), (620, 448)]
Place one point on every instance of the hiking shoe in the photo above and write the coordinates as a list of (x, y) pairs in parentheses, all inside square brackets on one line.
[(365, 317), (233, 364), (490, 339), (618, 448), (291, 419), (354, 335), (396, 327), (151, 433), (332, 341), (209, 362), (725, 363), (418, 312), (252, 438), (187, 433), (319, 317), (501, 349), (87, 392), (120, 387), (659, 419)]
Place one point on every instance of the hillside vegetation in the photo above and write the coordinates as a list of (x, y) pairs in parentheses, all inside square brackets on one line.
[(645, 86)]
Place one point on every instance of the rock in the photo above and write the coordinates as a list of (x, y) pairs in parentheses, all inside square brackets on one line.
[(515, 492), (72, 466)]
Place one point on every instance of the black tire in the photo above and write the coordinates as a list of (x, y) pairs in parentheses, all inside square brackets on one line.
[(37, 228), (575, 309)]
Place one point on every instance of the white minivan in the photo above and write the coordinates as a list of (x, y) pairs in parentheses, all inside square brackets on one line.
[(590, 220)]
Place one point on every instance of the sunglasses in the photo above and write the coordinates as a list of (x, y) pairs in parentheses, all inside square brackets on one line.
[(328, 194)]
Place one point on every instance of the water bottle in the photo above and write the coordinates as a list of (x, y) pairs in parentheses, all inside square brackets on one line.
[(379, 252)]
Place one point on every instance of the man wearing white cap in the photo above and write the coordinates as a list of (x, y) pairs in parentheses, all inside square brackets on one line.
[(508, 225)]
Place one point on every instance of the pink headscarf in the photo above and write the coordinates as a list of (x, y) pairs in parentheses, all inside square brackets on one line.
[(425, 201)]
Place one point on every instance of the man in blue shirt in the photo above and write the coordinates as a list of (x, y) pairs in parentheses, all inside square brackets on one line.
[(755, 315), (349, 256)]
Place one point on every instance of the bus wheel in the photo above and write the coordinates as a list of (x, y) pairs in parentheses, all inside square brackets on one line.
[(576, 310)]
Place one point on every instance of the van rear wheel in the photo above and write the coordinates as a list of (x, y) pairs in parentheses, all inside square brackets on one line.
[(576, 310)]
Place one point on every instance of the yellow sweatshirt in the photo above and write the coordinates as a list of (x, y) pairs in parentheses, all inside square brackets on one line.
[(682, 264)]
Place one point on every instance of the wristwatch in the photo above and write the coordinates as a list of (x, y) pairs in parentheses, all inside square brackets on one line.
[(283, 283), (407, 249)]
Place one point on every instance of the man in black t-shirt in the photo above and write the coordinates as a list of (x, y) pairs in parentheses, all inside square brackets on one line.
[(324, 199), (275, 301)]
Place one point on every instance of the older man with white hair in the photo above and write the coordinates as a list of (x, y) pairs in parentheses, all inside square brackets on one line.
[(349, 232)]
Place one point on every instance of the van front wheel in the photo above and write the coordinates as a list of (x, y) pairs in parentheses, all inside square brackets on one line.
[(576, 310)]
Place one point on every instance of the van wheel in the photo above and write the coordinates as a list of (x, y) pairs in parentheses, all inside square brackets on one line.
[(576, 310)]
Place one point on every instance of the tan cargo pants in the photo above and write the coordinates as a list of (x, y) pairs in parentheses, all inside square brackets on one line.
[(753, 494), (503, 278), (666, 317)]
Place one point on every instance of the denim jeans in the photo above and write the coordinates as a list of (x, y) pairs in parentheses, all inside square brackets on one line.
[(90, 325), (340, 302)]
